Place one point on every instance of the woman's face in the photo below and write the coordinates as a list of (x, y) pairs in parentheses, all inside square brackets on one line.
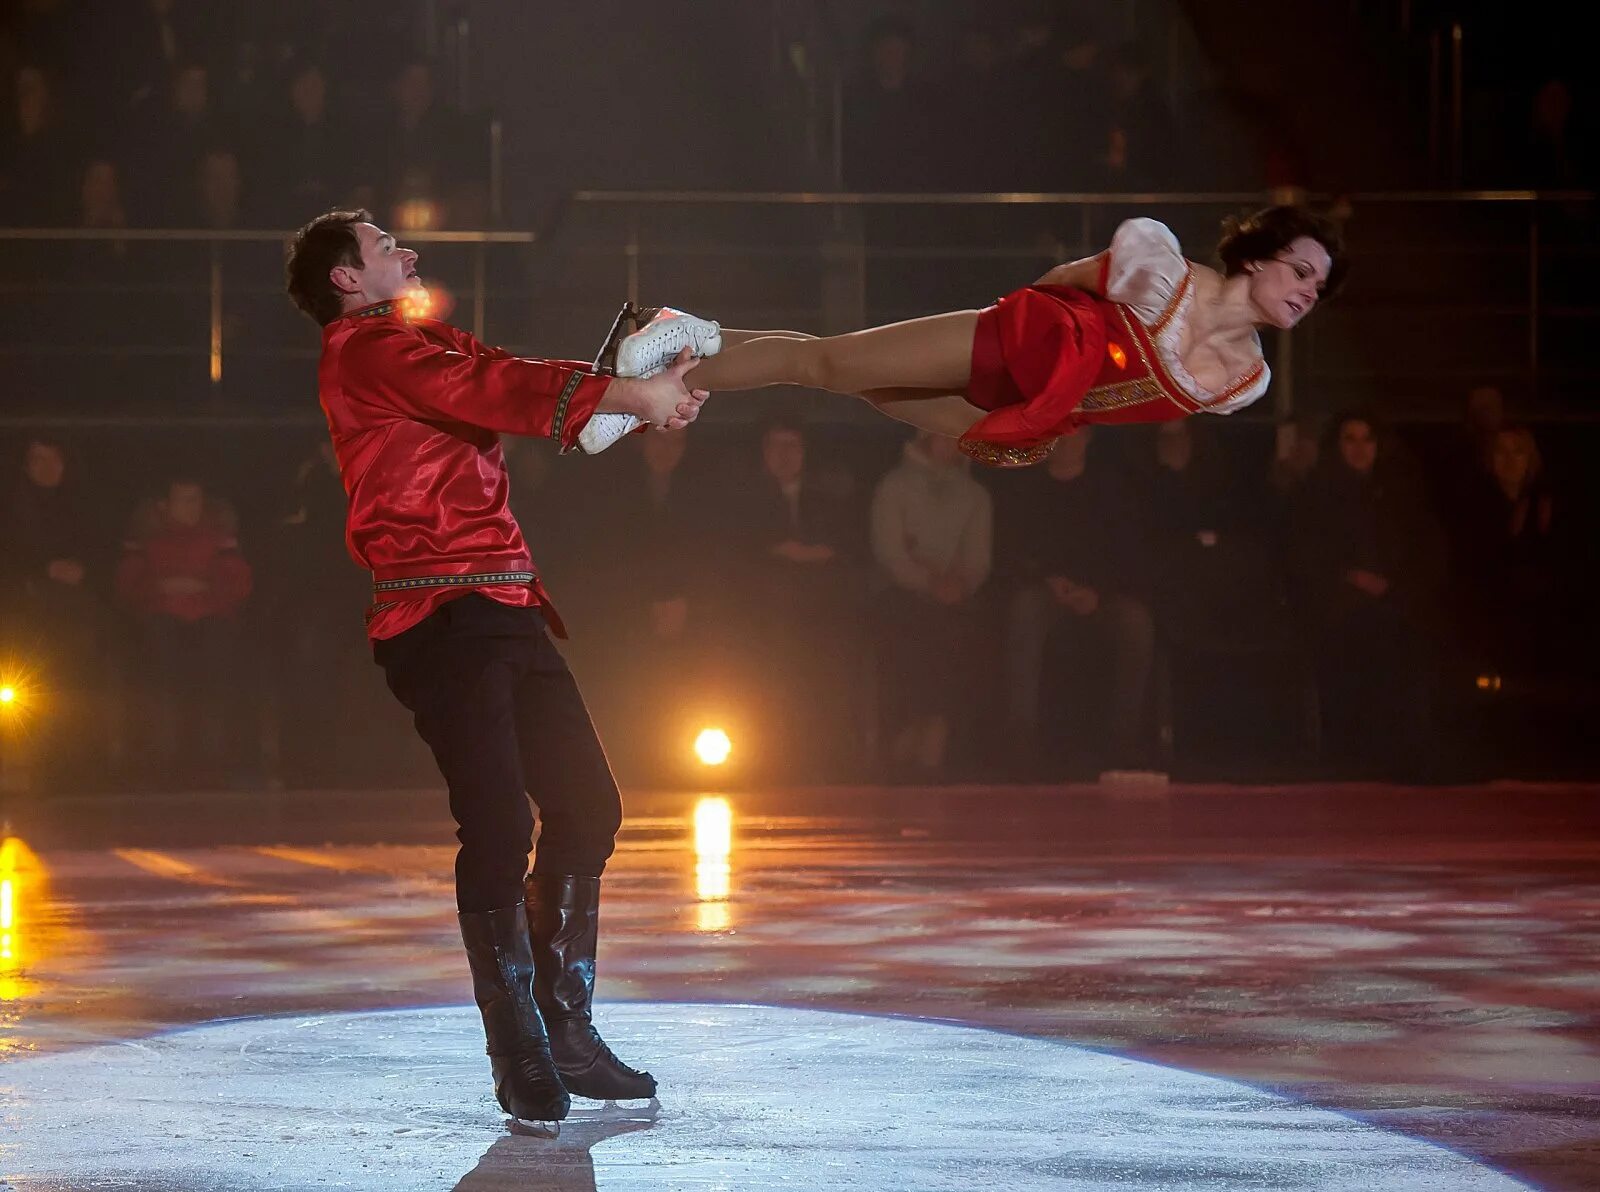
[(1358, 446), (1285, 288)]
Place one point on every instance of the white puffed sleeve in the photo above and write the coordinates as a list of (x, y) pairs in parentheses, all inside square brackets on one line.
[(1145, 267)]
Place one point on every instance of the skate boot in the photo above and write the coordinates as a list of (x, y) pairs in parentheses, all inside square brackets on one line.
[(563, 918), (525, 1079), (660, 334), (657, 342)]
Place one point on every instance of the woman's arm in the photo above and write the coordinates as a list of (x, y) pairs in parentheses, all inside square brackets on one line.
[(1080, 275)]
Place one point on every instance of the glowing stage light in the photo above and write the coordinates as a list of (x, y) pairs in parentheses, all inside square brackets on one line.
[(1488, 682), (8, 694), (712, 746)]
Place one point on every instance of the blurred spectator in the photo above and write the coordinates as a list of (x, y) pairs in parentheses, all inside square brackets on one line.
[(800, 546), (1514, 548), (38, 151), (1080, 611), (1296, 449), (1060, 103), (654, 603), (182, 577), (100, 206), (978, 100), (433, 172), (1140, 141), (1467, 460), (48, 554), (134, 48), (1204, 560), (1560, 146), (318, 598), (888, 135), (170, 139), (1370, 559), (219, 191), (50, 613), (933, 539), (302, 164)]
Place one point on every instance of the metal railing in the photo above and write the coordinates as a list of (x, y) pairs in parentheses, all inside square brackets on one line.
[(1449, 289)]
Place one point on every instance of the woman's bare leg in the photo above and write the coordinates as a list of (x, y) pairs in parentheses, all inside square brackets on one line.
[(733, 338), (926, 409), (930, 353)]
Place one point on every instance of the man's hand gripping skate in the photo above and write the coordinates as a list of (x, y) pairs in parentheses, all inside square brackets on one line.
[(663, 400)]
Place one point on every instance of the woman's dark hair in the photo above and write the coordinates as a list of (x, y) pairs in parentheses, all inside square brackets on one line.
[(1266, 233), (324, 243)]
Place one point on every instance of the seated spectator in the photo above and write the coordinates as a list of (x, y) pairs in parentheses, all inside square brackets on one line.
[(303, 162), (316, 597), (1140, 147), (38, 153), (799, 549), (51, 611), (169, 140), (1369, 559), (1079, 611), (887, 134), (184, 581), (1514, 547), (432, 173), (933, 540), (1204, 559), (653, 607), (1461, 464), (219, 191)]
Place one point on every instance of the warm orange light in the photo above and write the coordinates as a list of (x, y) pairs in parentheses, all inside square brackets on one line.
[(712, 746), (1118, 356), (713, 851), (1488, 682), (8, 695)]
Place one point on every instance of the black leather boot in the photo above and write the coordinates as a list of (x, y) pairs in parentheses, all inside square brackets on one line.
[(525, 1078), (564, 918)]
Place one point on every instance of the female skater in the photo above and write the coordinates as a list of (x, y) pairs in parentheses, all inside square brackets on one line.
[(1132, 334)]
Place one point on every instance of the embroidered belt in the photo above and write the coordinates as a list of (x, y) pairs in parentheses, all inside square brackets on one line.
[(473, 580)]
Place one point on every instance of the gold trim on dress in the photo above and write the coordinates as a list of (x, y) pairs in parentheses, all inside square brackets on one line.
[(998, 456), (1119, 395), (1171, 312)]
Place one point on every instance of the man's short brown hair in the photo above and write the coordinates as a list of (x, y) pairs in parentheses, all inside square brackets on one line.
[(316, 250)]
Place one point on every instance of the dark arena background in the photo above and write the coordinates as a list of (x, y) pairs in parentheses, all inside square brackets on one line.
[(1233, 824)]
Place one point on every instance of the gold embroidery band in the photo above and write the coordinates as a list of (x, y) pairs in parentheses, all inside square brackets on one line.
[(454, 581), (559, 422)]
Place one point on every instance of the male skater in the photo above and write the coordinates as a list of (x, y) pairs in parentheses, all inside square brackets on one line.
[(458, 623)]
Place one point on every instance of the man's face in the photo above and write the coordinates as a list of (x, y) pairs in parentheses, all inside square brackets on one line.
[(44, 465), (386, 272), (185, 504), (783, 453)]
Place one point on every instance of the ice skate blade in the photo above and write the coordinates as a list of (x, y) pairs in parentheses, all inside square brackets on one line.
[(532, 1129), (640, 1109)]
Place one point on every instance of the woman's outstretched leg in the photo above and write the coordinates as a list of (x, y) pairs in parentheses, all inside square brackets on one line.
[(930, 353), (926, 409)]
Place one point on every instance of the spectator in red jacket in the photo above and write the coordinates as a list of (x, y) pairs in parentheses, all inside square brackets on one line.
[(182, 576)]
